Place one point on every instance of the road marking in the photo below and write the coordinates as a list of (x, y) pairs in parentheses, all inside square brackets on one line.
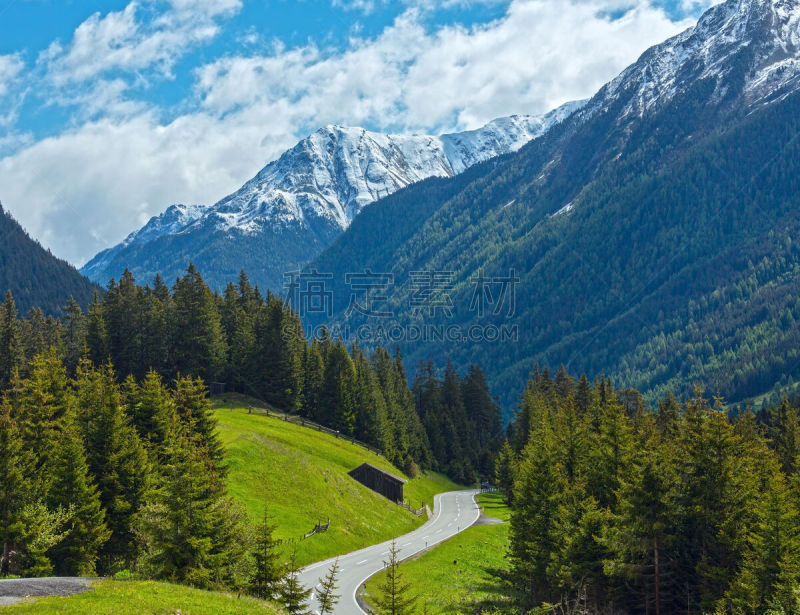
[(405, 545), (363, 561)]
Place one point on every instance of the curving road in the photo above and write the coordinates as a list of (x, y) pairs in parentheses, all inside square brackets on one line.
[(453, 512)]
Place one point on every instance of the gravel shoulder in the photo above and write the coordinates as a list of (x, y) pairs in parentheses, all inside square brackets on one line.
[(16, 590)]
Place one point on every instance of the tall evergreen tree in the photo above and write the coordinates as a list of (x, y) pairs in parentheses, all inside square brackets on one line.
[(117, 461), (15, 489), (11, 354), (76, 554), (198, 341), (785, 436)]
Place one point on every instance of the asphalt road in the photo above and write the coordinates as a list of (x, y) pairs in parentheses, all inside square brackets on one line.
[(16, 590), (453, 512)]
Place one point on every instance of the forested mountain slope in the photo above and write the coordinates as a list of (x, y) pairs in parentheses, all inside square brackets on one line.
[(34, 276), (653, 232)]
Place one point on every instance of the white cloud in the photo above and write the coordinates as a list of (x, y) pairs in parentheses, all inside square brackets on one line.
[(10, 67), (541, 54), (87, 188), (134, 39)]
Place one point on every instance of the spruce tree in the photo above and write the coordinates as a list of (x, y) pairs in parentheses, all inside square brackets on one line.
[(11, 354), (194, 410), (337, 401), (15, 488), (117, 460), (504, 468), (198, 347), (395, 597), (39, 403), (327, 596), (151, 408), (74, 335), (267, 573), (76, 554), (96, 332), (785, 436), (292, 595), (191, 533)]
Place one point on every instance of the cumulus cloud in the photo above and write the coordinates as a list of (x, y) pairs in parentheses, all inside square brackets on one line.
[(85, 189), (134, 39)]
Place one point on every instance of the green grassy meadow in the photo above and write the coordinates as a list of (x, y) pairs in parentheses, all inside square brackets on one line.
[(457, 576), (144, 598), (302, 475)]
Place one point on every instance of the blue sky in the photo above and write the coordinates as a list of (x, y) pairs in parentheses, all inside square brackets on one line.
[(110, 111)]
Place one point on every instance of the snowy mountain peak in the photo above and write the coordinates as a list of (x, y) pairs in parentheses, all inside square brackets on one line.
[(325, 180), (749, 47)]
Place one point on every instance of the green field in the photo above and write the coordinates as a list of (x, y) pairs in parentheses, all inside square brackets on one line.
[(144, 598), (458, 575), (302, 474)]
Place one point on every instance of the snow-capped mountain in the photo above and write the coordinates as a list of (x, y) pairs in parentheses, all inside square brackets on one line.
[(309, 195), (746, 47)]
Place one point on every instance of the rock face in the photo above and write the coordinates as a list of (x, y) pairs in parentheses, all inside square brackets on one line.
[(298, 204)]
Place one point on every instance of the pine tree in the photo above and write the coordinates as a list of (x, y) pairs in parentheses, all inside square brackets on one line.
[(39, 403), (395, 597), (292, 595), (74, 335), (96, 332), (155, 328), (313, 375), (196, 414), (327, 597), (504, 468), (76, 554), (117, 460), (644, 532), (771, 568), (151, 408), (338, 404), (191, 533), (15, 490), (785, 435), (198, 341), (537, 494), (267, 573), (11, 354)]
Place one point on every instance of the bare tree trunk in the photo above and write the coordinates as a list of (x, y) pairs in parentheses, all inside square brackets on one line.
[(656, 578)]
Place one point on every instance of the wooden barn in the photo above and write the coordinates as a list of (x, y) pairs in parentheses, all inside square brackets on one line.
[(380, 481)]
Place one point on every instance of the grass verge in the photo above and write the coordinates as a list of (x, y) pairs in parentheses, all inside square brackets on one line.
[(459, 576), (144, 598)]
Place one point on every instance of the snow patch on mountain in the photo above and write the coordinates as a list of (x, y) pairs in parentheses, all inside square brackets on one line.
[(325, 180), (762, 34)]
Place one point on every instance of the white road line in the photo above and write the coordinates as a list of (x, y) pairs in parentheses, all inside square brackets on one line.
[(363, 561)]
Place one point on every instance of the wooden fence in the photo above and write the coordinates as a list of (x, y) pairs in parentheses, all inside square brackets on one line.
[(304, 422), (318, 529)]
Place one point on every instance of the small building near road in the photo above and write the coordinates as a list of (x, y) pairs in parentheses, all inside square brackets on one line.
[(380, 481)]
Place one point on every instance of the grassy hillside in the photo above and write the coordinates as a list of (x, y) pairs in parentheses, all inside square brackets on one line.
[(457, 576), (145, 598), (303, 476)]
